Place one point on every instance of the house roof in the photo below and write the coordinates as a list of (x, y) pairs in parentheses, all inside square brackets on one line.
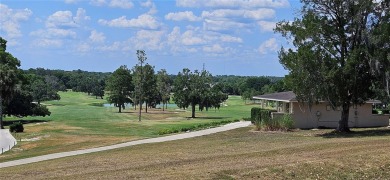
[(290, 96), (280, 96)]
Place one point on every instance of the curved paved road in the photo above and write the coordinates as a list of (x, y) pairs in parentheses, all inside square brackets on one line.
[(131, 143)]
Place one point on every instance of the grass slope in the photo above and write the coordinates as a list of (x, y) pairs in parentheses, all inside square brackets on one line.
[(236, 154), (79, 121)]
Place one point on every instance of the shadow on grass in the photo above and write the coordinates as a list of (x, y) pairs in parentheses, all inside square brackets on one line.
[(357, 133), (7, 123)]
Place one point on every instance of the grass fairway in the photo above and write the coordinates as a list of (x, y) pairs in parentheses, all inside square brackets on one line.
[(79, 121), (236, 154)]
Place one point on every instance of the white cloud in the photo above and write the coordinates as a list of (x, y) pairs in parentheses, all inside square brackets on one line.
[(216, 49), (189, 38), (146, 39), (10, 20), (125, 4), (54, 33), (65, 19), (143, 21), (223, 25), (97, 37), (98, 2), (232, 39), (151, 5), (83, 47), (182, 16), (258, 14), (267, 26), (248, 4), (48, 42), (269, 46), (116, 46)]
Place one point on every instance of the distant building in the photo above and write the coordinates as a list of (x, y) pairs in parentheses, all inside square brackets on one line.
[(321, 114)]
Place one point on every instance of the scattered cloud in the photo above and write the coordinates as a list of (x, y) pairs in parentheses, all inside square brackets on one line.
[(143, 21), (182, 16), (48, 43), (223, 25), (65, 19), (151, 5), (10, 20), (147, 39), (247, 4), (54, 33), (97, 37), (267, 26), (215, 49), (269, 46), (125, 4), (258, 14)]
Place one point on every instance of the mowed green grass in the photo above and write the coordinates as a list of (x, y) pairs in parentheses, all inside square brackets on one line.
[(236, 154), (79, 121)]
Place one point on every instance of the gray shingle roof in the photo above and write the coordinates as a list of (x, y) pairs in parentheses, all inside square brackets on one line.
[(281, 96)]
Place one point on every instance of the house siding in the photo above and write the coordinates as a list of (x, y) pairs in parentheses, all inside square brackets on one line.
[(360, 116)]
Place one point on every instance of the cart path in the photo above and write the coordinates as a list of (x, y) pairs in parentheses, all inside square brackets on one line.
[(127, 144)]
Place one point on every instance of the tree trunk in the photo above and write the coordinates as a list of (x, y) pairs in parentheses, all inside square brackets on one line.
[(163, 106), (120, 108), (343, 123), (193, 110), (146, 107), (166, 105), (1, 113)]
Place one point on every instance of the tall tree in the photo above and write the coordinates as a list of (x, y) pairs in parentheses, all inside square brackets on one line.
[(189, 88), (333, 59), (164, 86), (120, 88), (141, 55), (9, 72)]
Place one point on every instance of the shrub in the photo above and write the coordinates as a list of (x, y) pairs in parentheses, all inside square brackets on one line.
[(16, 127), (385, 111), (255, 114), (283, 123)]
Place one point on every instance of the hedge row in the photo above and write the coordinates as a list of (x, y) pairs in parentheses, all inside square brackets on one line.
[(258, 114)]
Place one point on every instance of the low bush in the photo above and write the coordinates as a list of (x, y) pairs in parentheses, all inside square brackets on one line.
[(16, 127), (283, 123)]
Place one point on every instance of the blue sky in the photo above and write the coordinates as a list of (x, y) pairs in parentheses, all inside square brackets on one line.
[(232, 37)]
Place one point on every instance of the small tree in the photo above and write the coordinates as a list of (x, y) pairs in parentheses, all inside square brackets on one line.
[(119, 88), (163, 86)]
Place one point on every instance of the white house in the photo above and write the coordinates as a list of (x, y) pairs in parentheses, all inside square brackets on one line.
[(321, 114)]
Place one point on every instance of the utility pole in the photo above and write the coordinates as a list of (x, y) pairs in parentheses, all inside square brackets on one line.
[(141, 59)]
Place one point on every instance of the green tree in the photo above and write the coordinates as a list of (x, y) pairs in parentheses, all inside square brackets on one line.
[(9, 72), (44, 88), (120, 88), (149, 87), (164, 86), (141, 55), (334, 59), (189, 88)]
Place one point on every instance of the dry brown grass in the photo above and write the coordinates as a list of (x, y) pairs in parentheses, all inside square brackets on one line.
[(237, 154)]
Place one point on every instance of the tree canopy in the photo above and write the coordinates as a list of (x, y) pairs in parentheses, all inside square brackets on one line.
[(337, 56), (120, 88), (9, 76), (196, 88)]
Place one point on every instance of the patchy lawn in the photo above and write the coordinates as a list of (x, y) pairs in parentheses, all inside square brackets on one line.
[(236, 154)]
